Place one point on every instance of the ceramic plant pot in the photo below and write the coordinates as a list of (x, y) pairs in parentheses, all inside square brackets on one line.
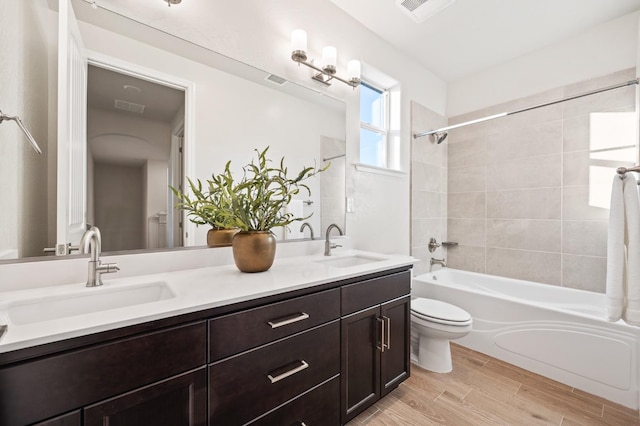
[(254, 251), (220, 237)]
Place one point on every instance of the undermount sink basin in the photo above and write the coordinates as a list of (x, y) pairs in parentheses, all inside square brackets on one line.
[(87, 301), (349, 261)]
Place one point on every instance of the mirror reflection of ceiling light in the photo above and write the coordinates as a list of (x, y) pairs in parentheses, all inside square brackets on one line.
[(131, 88), (170, 2)]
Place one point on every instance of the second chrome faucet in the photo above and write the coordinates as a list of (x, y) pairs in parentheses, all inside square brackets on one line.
[(328, 245)]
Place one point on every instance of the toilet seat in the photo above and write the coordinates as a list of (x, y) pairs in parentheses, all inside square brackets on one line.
[(439, 312)]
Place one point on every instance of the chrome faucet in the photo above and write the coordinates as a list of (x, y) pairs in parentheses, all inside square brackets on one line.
[(442, 262), (307, 225), (91, 242), (328, 245)]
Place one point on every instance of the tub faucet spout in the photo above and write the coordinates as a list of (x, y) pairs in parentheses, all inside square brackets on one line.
[(442, 262), (91, 242)]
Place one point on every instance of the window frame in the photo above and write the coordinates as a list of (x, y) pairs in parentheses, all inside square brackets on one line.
[(383, 157)]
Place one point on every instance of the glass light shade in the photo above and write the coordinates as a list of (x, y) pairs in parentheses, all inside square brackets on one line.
[(353, 70), (299, 40), (329, 57)]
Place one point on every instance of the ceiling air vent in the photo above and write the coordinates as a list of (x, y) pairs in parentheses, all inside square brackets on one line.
[(129, 106), (421, 10), (275, 79)]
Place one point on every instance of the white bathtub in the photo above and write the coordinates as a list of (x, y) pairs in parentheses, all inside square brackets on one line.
[(557, 332)]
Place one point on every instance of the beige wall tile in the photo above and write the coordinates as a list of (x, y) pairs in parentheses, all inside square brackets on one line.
[(466, 258), (526, 141), (466, 205), (426, 205), (584, 272), (523, 234), (467, 179), (472, 152), (426, 177), (576, 205), (530, 172), (428, 152), (535, 266), (585, 237), (423, 229), (575, 168), (541, 203), (467, 232)]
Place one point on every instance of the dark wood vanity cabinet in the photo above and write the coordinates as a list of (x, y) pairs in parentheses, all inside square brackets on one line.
[(43, 388), (310, 357), (375, 339), (286, 350)]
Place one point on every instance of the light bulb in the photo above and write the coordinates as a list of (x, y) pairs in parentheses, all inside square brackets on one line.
[(299, 40), (353, 70), (329, 58)]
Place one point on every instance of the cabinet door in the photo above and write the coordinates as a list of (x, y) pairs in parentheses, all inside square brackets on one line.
[(395, 359), (360, 375), (70, 419), (179, 401)]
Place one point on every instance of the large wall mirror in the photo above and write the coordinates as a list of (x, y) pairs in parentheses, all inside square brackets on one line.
[(160, 108)]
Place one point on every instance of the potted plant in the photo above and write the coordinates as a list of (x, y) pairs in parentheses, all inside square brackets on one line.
[(257, 205), (209, 205)]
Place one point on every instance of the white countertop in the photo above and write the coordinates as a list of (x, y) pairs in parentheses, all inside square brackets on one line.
[(192, 290)]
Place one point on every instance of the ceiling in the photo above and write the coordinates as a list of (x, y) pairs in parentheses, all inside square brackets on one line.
[(472, 35)]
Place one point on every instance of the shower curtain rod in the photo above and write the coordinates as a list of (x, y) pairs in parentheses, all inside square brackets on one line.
[(441, 133)]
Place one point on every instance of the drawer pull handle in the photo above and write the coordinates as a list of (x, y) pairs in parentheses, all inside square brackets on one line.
[(303, 366), (288, 320)]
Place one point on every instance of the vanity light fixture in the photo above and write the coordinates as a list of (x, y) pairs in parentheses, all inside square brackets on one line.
[(170, 2), (327, 72)]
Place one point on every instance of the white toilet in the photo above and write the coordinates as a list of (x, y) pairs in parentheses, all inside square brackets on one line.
[(433, 324)]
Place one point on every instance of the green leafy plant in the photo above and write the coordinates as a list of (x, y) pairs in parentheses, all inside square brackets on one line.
[(258, 200), (210, 203)]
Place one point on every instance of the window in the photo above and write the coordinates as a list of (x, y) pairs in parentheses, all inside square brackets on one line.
[(374, 125)]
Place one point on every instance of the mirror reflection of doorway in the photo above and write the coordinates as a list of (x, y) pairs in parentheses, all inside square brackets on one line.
[(134, 136)]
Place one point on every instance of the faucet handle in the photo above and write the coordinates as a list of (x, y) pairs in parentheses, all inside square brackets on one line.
[(107, 268)]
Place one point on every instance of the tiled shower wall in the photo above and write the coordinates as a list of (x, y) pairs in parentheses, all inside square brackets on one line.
[(428, 187), (518, 188)]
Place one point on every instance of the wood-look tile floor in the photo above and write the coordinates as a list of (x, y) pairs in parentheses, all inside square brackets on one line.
[(482, 390)]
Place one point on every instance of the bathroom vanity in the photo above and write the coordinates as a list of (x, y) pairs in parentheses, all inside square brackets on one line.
[(309, 342)]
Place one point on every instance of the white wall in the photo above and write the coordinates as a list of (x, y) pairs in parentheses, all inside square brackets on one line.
[(599, 51), (23, 92)]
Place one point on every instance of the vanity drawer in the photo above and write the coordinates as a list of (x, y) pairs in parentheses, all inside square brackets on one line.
[(271, 322), (364, 294), (244, 387), (320, 406), (37, 390)]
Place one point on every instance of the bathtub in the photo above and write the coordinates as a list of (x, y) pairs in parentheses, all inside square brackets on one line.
[(557, 332)]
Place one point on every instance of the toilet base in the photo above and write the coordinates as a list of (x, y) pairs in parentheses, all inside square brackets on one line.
[(433, 355)]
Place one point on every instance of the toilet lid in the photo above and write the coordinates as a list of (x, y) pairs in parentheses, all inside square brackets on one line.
[(436, 309)]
